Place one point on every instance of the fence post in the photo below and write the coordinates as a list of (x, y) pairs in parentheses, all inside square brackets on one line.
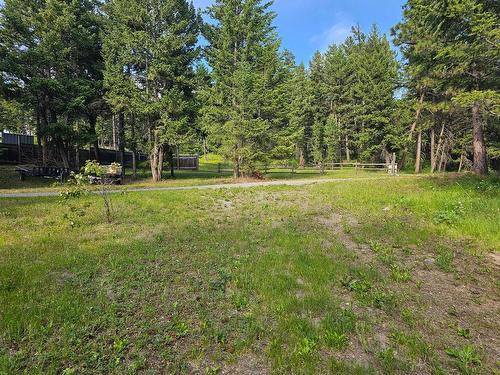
[(19, 157)]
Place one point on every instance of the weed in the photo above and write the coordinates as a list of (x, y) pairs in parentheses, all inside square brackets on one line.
[(181, 328), (335, 340), (218, 285), (338, 367), (119, 345), (408, 316), (212, 370), (384, 301), (450, 215), (467, 359), (445, 259), (390, 363), (400, 274), (384, 252), (452, 311), (306, 347), (240, 301), (464, 332), (356, 285)]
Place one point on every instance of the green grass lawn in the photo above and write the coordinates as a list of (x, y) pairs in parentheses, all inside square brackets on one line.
[(357, 277)]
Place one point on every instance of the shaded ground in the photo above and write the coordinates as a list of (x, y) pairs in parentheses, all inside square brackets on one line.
[(380, 276)]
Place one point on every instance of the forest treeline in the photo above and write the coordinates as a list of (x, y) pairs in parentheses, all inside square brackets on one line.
[(156, 76)]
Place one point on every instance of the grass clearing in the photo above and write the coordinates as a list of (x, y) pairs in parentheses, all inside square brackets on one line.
[(341, 278), (207, 175)]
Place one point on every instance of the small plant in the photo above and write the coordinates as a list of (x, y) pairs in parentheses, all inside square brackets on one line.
[(356, 285), (451, 215), (335, 339), (383, 301), (240, 301), (219, 284), (306, 347), (384, 253), (464, 332), (400, 274), (181, 329), (391, 363), (467, 359), (119, 345), (445, 259), (78, 186), (452, 311), (97, 173), (213, 370)]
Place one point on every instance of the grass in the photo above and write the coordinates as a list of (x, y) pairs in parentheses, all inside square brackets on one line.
[(330, 278), (212, 171)]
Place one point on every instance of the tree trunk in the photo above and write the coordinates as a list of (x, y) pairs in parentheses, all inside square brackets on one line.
[(480, 165), (77, 157), (461, 162), (133, 147), (171, 161), (134, 165), (41, 132), (95, 141), (417, 115), (205, 150), (347, 151), (236, 165), (418, 155), (438, 149), (402, 161), (113, 125), (444, 157), (433, 145), (301, 158), (387, 156), (121, 141), (157, 151), (64, 155)]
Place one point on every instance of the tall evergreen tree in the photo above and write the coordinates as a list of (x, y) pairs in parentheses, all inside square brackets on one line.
[(455, 46), (301, 114), (376, 72), (243, 55), (320, 106), (49, 53), (149, 50)]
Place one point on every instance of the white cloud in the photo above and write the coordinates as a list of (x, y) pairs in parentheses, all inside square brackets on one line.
[(335, 34)]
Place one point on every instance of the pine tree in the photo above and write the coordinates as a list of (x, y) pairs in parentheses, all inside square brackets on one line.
[(320, 106), (149, 50), (301, 114), (376, 79), (49, 53), (243, 55), (455, 49)]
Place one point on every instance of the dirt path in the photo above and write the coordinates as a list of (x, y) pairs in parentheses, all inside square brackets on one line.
[(215, 186)]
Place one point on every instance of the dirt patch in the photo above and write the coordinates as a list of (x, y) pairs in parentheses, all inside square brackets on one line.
[(336, 223), (248, 364), (495, 257), (460, 307)]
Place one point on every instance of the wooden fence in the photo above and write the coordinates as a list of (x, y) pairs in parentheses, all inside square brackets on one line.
[(187, 162), (320, 168), (32, 154)]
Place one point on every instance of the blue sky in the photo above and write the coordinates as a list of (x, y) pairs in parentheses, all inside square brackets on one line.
[(309, 25)]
